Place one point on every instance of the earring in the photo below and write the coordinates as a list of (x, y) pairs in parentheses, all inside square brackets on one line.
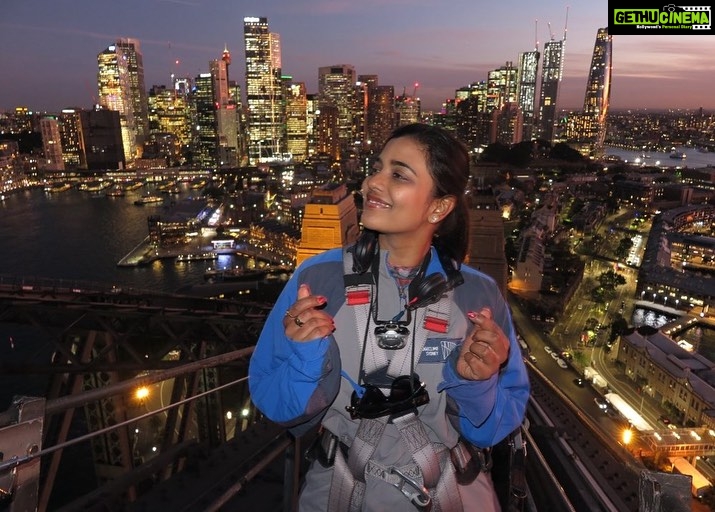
[(433, 219)]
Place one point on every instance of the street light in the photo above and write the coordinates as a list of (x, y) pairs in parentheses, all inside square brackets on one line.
[(627, 436), (141, 393)]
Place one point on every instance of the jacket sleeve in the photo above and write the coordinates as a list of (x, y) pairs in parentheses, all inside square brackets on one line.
[(485, 412), (291, 382)]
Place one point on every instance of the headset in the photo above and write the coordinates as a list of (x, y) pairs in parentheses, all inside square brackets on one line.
[(423, 290)]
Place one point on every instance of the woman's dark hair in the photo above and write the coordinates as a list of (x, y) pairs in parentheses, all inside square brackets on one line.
[(448, 163)]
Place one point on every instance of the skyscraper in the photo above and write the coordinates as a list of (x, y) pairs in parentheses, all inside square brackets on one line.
[(598, 92), (526, 90), (264, 98), (501, 87), (380, 111), (506, 116), (226, 115), (102, 138), (72, 139), (408, 108), (51, 143), (113, 85), (137, 90), (336, 88), (205, 136), (552, 71), (296, 120), (120, 81)]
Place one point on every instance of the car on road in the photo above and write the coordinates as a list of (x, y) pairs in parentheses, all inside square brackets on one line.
[(579, 382), (601, 403), (532, 358)]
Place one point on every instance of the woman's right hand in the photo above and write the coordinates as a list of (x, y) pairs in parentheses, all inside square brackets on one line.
[(306, 320)]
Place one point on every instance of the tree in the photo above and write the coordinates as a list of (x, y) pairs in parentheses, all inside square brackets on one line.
[(520, 154), (496, 152), (618, 328), (624, 246), (610, 280), (562, 151)]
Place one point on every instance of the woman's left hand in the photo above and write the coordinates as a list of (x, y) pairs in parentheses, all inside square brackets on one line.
[(485, 350)]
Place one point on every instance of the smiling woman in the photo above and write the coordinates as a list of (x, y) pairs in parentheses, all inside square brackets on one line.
[(392, 329)]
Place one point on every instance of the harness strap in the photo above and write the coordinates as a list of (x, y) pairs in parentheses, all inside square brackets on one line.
[(429, 483), (346, 493), (414, 435), (363, 446)]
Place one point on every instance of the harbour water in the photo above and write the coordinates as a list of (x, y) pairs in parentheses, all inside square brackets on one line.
[(694, 158), (74, 236)]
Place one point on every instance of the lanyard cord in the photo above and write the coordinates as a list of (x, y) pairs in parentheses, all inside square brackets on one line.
[(361, 374), (374, 299)]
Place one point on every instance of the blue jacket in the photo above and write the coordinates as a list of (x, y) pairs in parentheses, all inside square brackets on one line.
[(299, 384)]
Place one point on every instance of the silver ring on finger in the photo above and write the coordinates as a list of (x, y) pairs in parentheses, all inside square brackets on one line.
[(298, 321), (289, 315)]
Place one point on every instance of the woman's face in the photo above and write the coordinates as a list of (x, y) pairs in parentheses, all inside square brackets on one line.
[(398, 195)]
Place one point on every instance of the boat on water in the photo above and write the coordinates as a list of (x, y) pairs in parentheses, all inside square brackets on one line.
[(196, 257), (55, 188), (678, 155), (133, 185), (235, 274), (148, 199), (95, 186), (115, 191)]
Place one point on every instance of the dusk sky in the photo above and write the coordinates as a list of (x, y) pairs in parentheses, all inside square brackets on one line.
[(48, 48)]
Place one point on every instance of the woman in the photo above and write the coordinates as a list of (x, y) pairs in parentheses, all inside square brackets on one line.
[(409, 363)]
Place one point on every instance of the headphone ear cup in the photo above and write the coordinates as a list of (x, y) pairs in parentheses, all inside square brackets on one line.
[(364, 251), (429, 290)]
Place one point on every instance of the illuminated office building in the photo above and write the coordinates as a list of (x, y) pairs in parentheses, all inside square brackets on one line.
[(137, 91), (526, 91), (408, 109), (311, 122), (380, 111), (225, 112), (205, 136), (120, 81), (113, 83), (501, 104), (169, 125), (169, 113), (266, 107), (336, 88), (296, 120), (72, 139), (552, 70), (472, 122), (501, 87), (598, 92), (51, 143)]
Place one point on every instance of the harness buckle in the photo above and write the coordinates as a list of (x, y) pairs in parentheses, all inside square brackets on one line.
[(323, 448), (411, 488)]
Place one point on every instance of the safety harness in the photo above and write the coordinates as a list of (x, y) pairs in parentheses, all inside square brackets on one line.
[(431, 481)]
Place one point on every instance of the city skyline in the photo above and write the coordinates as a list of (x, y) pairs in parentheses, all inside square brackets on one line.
[(397, 40)]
